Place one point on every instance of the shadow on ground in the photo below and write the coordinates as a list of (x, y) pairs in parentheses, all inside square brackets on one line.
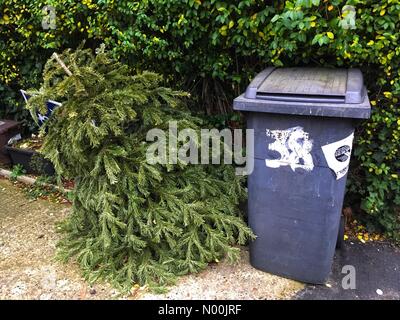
[(377, 269)]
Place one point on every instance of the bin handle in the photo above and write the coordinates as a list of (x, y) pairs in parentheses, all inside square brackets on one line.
[(252, 88), (355, 90)]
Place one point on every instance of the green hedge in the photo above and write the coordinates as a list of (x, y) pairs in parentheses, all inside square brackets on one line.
[(213, 48)]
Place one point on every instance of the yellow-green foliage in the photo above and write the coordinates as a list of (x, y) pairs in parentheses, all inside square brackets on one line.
[(214, 47)]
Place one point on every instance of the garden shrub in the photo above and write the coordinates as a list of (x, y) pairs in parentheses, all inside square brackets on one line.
[(132, 221), (213, 48)]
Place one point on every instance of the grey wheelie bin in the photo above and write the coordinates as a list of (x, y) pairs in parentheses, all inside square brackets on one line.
[(303, 121)]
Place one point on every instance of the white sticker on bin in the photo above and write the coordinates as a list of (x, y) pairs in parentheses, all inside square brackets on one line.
[(294, 148), (337, 155)]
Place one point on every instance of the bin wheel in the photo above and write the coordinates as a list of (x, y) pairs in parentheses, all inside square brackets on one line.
[(340, 238)]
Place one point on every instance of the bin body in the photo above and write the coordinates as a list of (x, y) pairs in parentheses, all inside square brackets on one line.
[(294, 196), (8, 129)]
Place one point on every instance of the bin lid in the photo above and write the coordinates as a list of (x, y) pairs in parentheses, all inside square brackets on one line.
[(6, 125), (307, 91)]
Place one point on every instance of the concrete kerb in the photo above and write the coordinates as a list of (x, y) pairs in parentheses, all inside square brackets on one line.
[(30, 181)]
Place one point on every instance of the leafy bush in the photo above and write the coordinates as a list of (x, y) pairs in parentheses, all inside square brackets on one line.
[(133, 221), (214, 47)]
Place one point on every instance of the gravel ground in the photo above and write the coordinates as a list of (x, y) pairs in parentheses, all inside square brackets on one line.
[(28, 239), (28, 270), (225, 281)]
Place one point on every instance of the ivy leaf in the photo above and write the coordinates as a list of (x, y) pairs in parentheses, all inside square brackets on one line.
[(275, 18)]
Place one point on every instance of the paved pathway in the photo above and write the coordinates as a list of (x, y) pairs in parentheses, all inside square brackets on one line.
[(377, 273)]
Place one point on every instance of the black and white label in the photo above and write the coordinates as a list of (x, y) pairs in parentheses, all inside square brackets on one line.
[(337, 155), (343, 153)]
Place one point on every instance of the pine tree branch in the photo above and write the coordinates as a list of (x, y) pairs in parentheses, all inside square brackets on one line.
[(62, 64)]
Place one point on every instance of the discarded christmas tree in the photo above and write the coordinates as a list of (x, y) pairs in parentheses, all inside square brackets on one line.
[(131, 221)]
